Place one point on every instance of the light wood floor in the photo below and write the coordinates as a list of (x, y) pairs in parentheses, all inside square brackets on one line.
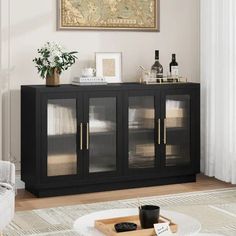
[(26, 201)]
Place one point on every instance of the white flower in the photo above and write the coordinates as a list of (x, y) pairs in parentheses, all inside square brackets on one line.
[(53, 64), (51, 59), (45, 63), (51, 56), (56, 54), (53, 48)]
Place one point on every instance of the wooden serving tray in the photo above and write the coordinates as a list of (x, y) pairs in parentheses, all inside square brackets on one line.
[(107, 226)]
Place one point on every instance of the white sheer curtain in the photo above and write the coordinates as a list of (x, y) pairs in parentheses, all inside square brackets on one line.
[(5, 79), (218, 82)]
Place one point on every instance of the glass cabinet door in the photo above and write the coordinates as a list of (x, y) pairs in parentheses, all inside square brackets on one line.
[(102, 134), (141, 132), (61, 137), (177, 130)]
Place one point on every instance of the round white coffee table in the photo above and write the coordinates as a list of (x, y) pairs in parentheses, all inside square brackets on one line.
[(209, 234), (85, 225)]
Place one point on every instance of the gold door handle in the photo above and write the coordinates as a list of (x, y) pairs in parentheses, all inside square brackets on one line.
[(87, 143), (81, 136), (164, 131), (159, 131)]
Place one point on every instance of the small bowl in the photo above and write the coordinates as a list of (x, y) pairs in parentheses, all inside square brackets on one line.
[(125, 227)]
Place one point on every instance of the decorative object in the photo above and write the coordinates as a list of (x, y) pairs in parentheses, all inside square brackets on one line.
[(125, 227), (157, 68), (52, 61), (136, 15), (89, 81), (7, 193), (149, 77), (88, 72), (131, 223), (109, 66), (103, 221), (149, 215), (202, 205), (53, 79), (165, 80)]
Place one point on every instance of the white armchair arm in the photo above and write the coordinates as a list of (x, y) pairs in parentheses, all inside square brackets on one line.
[(7, 172), (7, 193)]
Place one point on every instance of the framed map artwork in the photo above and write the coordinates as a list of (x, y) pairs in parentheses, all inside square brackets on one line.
[(136, 15)]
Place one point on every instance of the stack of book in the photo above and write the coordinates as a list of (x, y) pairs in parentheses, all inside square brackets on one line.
[(176, 114), (62, 164), (89, 81), (141, 118), (61, 120)]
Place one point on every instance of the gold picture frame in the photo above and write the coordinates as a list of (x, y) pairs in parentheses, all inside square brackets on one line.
[(132, 15)]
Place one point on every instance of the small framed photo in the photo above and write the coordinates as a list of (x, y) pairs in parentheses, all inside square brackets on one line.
[(109, 66)]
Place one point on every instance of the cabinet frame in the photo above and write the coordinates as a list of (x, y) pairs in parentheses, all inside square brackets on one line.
[(34, 139), (194, 130), (160, 168), (150, 93), (44, 147)]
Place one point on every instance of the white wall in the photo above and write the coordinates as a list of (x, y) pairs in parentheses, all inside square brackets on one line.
[(33, 22)]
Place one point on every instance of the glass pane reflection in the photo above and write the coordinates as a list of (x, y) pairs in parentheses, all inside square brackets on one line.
[(141, 132), (61, 128), (102, 134), (178, 130)]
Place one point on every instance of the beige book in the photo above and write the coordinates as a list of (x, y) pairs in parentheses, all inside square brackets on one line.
[(148, 113), (62, 165), (175, 112), (148, 123), (175, 122), (172, 150), (145, 150)]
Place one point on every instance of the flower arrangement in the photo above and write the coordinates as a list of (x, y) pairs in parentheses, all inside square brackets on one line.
[(53, 58)]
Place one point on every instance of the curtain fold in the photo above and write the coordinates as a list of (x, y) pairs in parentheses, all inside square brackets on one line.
[(5, 96), (218, 84)]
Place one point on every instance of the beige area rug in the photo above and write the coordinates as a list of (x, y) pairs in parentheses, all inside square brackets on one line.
[(216, 210)]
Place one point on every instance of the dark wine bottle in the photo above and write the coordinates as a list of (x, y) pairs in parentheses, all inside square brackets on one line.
[(157, 68), (174, 67)]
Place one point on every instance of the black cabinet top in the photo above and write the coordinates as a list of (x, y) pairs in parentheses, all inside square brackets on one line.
[(121, 86)]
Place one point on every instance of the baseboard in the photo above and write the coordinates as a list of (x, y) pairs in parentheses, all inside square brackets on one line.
[(107, 186), (19, 183)]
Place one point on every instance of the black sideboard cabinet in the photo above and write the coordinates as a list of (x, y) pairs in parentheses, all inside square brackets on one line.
[(77, 139)]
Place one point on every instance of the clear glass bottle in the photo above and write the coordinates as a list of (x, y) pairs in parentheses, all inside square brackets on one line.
[(157, 67)]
